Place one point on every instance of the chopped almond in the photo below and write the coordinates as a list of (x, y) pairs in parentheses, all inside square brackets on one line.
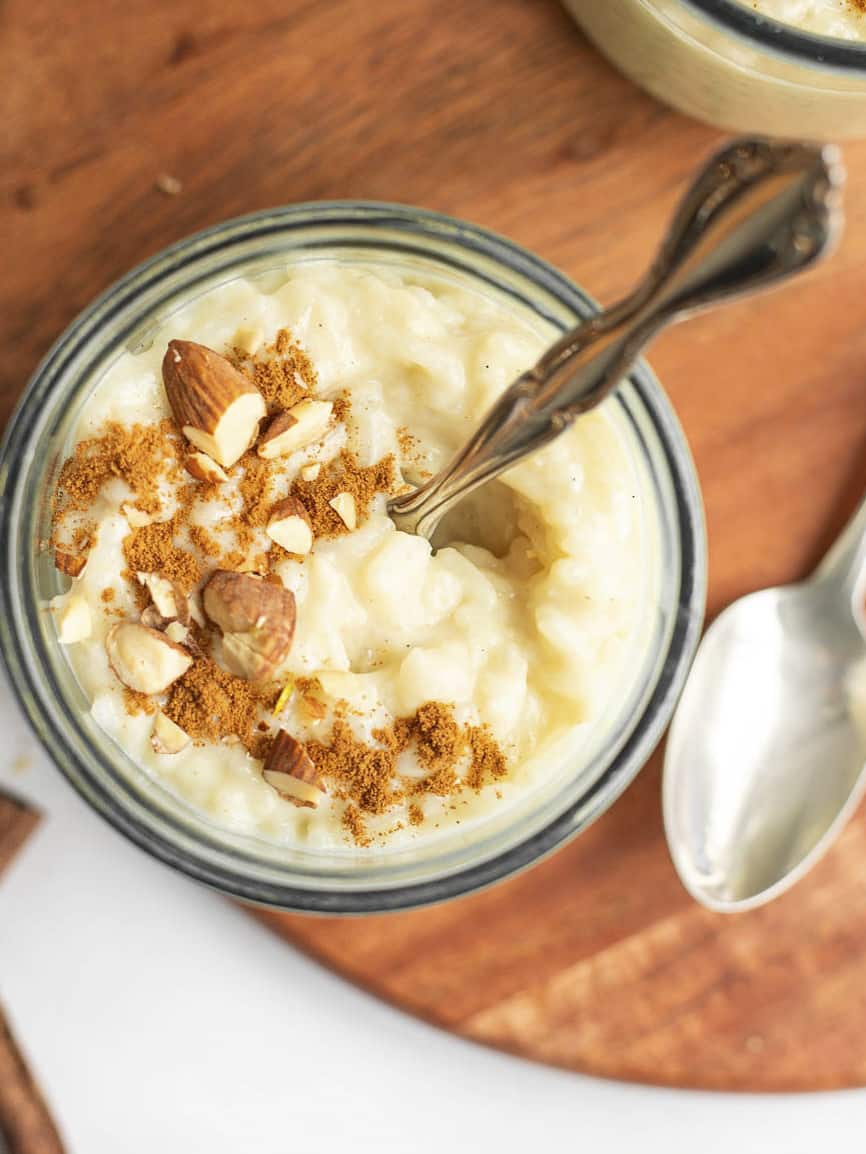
[(345, 508), (74, 622), (289, 770), (303, 423), (290, 526), (168, 600), (144, 659), (72, 564), (167, 737), (200, 466)]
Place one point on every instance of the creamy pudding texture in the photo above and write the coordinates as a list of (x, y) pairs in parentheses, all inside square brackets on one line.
[(419, 688), (839, 19)]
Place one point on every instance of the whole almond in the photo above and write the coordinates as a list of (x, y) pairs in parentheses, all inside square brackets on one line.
[(216, 406), (257, 619)]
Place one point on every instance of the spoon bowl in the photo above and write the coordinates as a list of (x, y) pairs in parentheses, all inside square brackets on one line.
[(766, 757)]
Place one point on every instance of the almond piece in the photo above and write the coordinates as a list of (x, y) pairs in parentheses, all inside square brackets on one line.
[(289, 770), (74, 622), (310, 472), (248, 339), (167, 599), (72, 564), (344, 506), (200, 466), (290, 526), (257, 619), (181, 635), (166, 736), (136, 518), (144, 659), (177, 633), (152, 618), (217, 407), (299, 426)]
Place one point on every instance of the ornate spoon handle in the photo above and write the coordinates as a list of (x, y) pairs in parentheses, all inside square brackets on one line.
[(760, 211)]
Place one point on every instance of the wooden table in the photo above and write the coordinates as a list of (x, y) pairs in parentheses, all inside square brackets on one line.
[(130, 124)]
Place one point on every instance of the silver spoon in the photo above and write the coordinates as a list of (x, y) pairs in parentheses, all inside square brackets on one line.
[(765, 757), (758, 212)]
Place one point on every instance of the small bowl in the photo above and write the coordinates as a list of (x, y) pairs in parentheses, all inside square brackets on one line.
[(39, 437), (722, 62)]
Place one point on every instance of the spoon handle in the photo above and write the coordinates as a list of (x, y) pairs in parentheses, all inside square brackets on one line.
[(758, 212), (845, 559)]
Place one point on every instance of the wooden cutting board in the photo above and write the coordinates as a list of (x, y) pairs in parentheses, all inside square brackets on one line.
[(497, 111)]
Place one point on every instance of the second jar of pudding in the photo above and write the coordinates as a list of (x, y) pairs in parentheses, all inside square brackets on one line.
[(783, 67)]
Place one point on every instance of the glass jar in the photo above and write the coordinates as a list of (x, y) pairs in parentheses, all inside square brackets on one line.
[(723, 62), (352, 881)]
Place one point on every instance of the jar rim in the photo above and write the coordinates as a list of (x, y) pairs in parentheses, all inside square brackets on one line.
[(159, 837), (783, 39)]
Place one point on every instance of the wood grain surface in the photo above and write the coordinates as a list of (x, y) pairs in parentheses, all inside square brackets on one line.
[(497, 111)]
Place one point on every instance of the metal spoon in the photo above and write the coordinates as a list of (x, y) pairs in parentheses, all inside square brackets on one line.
[(757, 213), (765, 758)]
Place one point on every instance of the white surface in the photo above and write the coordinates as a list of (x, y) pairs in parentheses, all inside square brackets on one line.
[(162, 1019)]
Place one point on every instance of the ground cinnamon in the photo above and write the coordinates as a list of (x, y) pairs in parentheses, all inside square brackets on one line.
[(282, 372), (367, 775), (210, 704), (343, 475), (151, 549), (139, 455)]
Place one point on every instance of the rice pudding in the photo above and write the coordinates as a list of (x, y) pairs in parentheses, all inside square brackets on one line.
[(245, 619), (740, 74), (838, 19)]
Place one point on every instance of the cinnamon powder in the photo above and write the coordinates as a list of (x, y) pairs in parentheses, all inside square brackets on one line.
[(343, 475), (210, 704), (366, 775), (139, 455), (283, 373), (488, 761), (151, 549)]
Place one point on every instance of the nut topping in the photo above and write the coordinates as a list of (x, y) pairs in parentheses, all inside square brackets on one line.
[(200, 466), (72, 564), (299, 426), (310, 472), (144, 659), (344, 506), (177, 633), (289, 770), (169, 602), (217, 407), (136, 518), (73, 620), (257, 618), (290, 526), (166, 736)]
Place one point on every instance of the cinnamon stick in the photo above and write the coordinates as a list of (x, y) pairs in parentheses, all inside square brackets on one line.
[(17, 822), (26, 1126)]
